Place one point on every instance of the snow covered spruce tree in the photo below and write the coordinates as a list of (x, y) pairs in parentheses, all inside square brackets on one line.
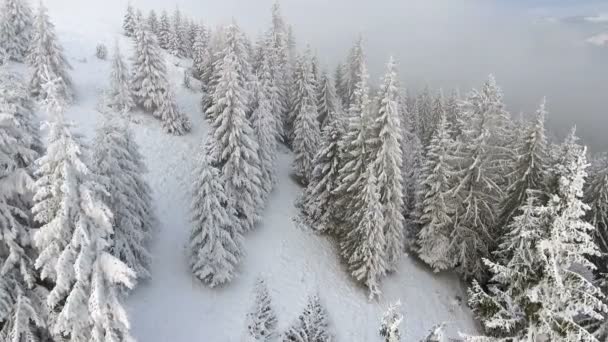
[(16, 20), (119, 168), (46, 59), (129, 22), (437, 205), (200, 52), (264, 125), (152, 21), (304, 114), (327, 100), (529, 169), (596, 196), (282, 60), (22, 308), (74, 238), (261, 319), (389, 326), (436, 334), (164, 30), (319, 200), (541, 291), (119, 97), (364, 247), (356, 71), (236, 141), (176, 44), (150, 85), (216, 240), (311, 326), (385, 150)]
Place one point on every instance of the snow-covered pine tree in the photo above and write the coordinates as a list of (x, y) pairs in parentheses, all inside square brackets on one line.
[(340, 79), (311, 326), (282, 60), (327, 101), (16, 20), (200, 52), (119, 168), (261, 319), (596, 196), (164, 30), (22, 309), (436, 204), (306, 132), (529, 169), (412, 160), (190, 32), (264, 124), (150, 86), (541, 292), (355, 72), (452, 114), (129, 22), (74, 238), (176, 44), (153, 22), (319, 200), (364, 247), (386, 154), (436, 334), (216, 240), (46, 58), (119, 97), (391, 320), (425, 116)]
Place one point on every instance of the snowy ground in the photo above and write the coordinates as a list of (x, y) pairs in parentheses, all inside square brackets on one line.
[(174, 307)]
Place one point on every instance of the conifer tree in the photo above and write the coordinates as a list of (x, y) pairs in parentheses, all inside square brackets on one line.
[(364, 247), (537, 293), (391, 320), (236, 141), (529, 169), (74, 238), (16, 20), (200, 52), (328, 101), (596, 196), (355, 72), (261, 319), (311, 326), (282, 60), (437, 206), (319, 201), (340, 84), (150, 86), (216, 240), (46, 58), (176, 44), (306, 134), (129, 22), (164, 30), (385, 145), (119, 96), (119, 168), (436, 334), (153, 22), (425, 116)]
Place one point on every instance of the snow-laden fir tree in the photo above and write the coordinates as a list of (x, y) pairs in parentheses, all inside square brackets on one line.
[(319, 201), (364, 246), (119, 168), (261, 319), (236, 141), (596, 196), (264, 125), (16, 20), (22, 308), (150, 86), (176, 44), (164, 30), (311, 326), (306, 134), (327, 101), (200, 52), (356, 71), (437, 205), (389, 326), (152, 21), (529, 169), (46, 58), (412, 160), (541, 292), (436, 334), (129, 22), (425, 116), (341, 85), (216, 240), (119, 97), (74, 238), (386, 154)]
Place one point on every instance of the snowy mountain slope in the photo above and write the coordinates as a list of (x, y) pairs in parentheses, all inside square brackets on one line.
[(173, 306)]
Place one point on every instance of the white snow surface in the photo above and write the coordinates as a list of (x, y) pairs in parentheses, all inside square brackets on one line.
[(173, 306)]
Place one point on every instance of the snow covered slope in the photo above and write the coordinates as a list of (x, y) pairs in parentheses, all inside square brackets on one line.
[(175, 307)]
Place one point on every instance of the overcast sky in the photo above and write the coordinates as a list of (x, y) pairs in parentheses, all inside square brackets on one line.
[(442, 43)]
